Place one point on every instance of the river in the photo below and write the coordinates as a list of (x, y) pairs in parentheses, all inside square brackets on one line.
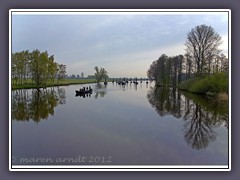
[(118, 125)]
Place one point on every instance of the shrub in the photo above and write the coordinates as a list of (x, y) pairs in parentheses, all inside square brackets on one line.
[(215, 83)]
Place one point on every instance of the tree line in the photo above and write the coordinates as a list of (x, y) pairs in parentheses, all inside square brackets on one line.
[(39, 67), (203, 57)]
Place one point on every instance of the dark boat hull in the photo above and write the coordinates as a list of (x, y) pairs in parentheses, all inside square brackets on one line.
[(83, 92)]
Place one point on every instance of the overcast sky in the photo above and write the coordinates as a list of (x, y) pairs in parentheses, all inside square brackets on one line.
[(124, 44)]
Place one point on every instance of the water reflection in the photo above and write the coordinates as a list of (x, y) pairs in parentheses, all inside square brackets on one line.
[(100, 91), (84, 95), (200, 114), (36, 104)]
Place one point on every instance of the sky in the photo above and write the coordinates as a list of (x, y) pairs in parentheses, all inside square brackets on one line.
[(125, 44)]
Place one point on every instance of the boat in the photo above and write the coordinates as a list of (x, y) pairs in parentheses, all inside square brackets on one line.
[(84, 91), (121, 82)]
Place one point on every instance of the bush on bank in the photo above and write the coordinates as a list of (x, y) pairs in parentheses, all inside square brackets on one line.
[(216, 83)]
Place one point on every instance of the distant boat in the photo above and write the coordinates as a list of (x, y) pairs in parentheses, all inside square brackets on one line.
[(121, 82)]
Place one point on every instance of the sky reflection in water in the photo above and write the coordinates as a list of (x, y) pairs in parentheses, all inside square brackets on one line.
[(132, 125)]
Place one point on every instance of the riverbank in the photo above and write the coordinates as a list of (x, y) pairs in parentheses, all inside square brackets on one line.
[(215, 85), (64, 82)]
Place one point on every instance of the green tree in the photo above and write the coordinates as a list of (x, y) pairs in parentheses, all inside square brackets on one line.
[(61, 72), (100, 74), (19, 66), (14, 69), (52, 69), (39, 67)]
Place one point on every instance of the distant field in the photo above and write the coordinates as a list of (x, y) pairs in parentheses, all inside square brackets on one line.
[(78, 81), (28, 84)]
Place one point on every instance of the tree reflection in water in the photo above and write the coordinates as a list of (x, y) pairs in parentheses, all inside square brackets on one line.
[(198, 128), (35, 104), (200, 114), (100, 90)]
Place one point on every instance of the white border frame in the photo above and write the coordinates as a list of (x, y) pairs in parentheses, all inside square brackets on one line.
[(117, 167)]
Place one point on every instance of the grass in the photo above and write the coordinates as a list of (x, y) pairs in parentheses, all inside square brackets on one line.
[(222, 97), (29, 85), (212, 85)]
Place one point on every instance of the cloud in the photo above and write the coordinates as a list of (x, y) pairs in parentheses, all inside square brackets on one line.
[(224, 45), (125, 45)]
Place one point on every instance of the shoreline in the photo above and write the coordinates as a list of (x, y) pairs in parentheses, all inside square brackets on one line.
[(66, 83), (220, 96)]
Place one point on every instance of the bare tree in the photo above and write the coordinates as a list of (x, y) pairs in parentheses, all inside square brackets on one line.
[(166, 70), (158, 70), (223, 63), (188, 65), (202, 44)]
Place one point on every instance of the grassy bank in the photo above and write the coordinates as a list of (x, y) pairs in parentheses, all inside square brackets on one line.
[(214, 85), (65, 82)]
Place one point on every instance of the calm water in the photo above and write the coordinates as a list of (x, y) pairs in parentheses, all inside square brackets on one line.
[(116, 125)]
